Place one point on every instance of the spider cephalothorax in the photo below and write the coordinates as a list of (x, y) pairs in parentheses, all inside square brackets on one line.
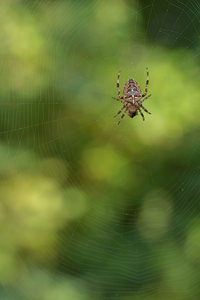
[(132, 98)]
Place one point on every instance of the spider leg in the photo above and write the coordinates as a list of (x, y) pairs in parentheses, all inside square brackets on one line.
[(123, 115), (118, 86), (146, 98), (147, 83), (145, 109), (140, 112), (128, 100), (119, 111), (118, 100)]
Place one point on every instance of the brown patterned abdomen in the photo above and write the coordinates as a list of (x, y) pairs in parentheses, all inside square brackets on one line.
[(131, 88)]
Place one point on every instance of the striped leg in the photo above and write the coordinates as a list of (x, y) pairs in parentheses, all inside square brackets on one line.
[(118, 100), (147, 83), (123, 115), (119, 112), (146, 98), (118, 86), (145, 109), (141, 112)]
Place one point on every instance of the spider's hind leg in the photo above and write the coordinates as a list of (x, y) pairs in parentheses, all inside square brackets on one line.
[(118, 86), (147, 83)]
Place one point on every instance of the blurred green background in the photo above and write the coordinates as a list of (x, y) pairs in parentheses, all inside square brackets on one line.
[(89, 209)]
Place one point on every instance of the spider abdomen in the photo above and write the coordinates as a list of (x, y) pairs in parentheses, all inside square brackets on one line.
[(131, 88)]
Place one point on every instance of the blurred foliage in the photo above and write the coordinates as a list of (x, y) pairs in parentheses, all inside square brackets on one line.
[(90, 209), (180, 26)]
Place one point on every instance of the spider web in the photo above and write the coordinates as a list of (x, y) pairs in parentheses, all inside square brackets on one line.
[(89, 209)]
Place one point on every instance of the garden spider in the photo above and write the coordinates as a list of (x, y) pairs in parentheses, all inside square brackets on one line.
[(131, 99)]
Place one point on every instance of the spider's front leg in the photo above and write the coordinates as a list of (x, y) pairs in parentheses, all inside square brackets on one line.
[(123, 115), (145, 109), (138, 107), (120, 110)]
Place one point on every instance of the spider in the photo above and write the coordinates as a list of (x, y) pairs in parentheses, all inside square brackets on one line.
[(131, 99)]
